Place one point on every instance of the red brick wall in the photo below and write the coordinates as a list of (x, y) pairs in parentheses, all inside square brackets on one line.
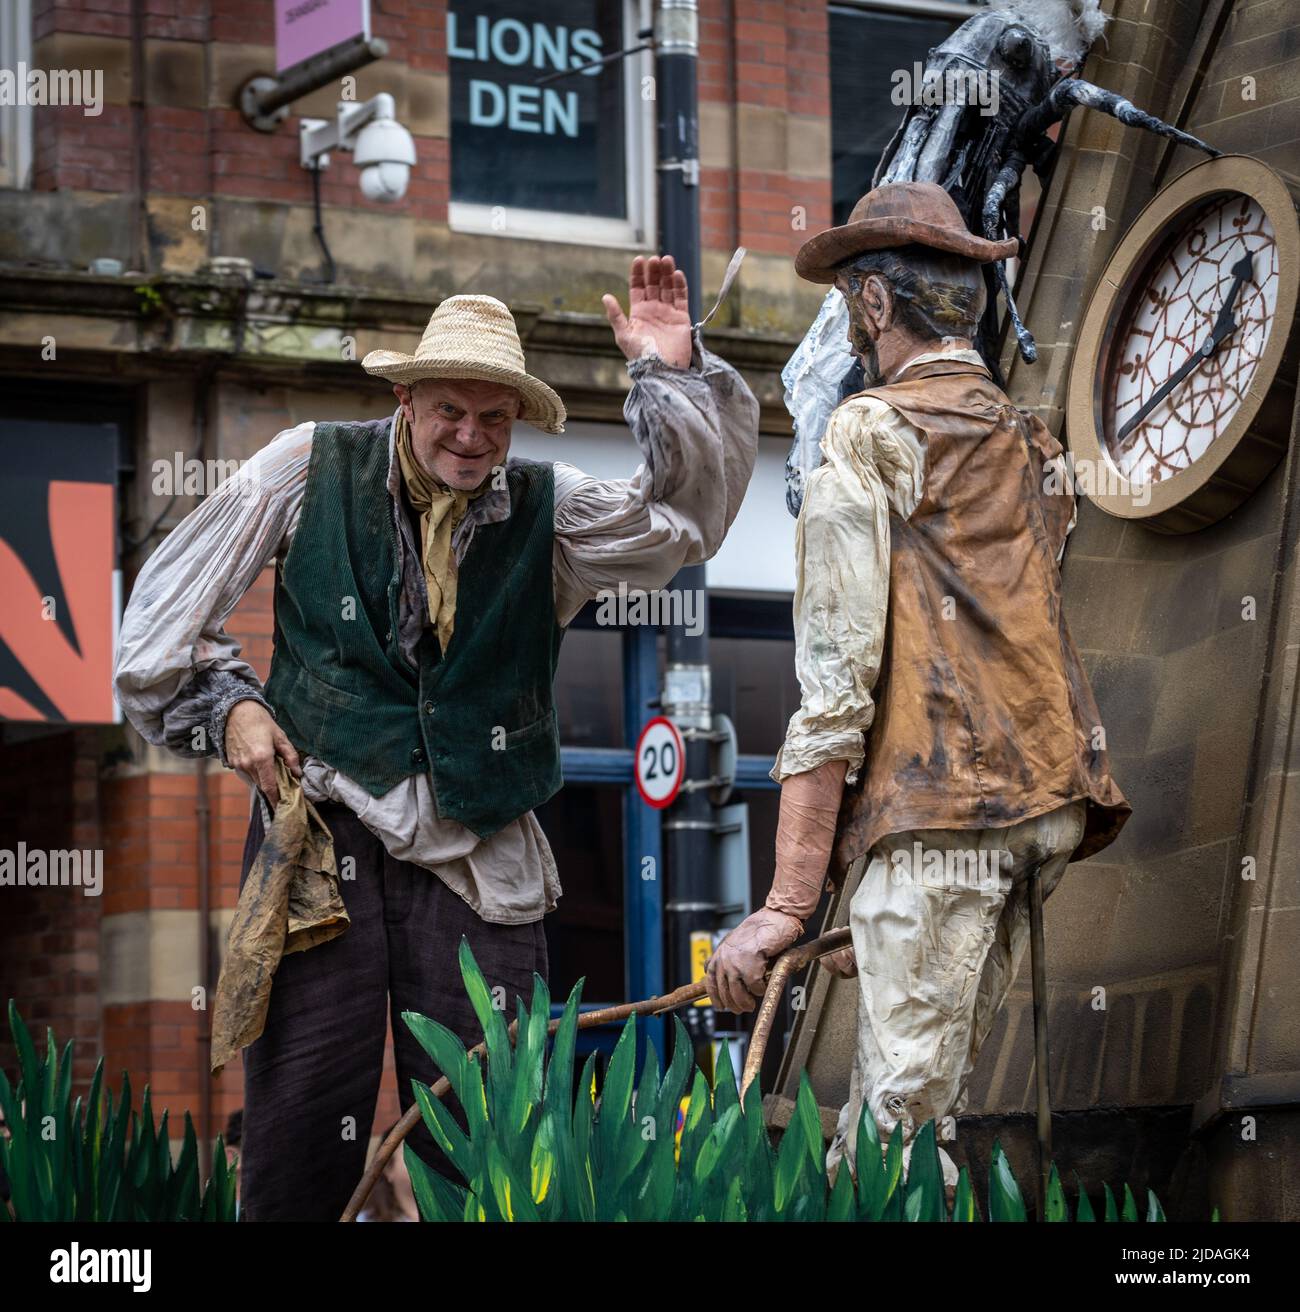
[(753, 52), (87, 154), (94, 17), (152, 835), (718, 230), (52, 797), (772, 55), (212, 152), (49, 938)]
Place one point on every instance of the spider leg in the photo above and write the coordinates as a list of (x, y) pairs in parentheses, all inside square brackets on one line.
[(902, 168), (1024, 338), (1006, 182), (1033, 123), (934, 160), (887, 155), (950, 183), (1074, 90)]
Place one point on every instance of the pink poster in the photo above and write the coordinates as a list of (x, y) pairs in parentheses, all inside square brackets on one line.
[(304, 28)]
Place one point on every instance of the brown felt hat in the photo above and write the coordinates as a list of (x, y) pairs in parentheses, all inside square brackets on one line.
[(897, 214)]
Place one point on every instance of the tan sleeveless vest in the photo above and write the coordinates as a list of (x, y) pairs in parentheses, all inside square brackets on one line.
[(984, 716)]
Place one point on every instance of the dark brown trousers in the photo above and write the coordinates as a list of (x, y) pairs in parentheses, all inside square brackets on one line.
[(312, 1079)]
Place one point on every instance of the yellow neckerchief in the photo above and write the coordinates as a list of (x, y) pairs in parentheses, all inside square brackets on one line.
[(440, 509)]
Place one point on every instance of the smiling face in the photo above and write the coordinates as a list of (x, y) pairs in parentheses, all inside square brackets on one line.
[(460, 428)]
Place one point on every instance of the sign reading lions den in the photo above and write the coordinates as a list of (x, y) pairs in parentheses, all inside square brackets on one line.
[(515, 145)]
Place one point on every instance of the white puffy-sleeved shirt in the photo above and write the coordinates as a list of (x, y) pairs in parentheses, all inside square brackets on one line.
[(178, 668)]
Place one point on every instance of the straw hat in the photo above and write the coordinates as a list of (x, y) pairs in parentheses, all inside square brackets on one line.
[(473, 337), (897, 214)]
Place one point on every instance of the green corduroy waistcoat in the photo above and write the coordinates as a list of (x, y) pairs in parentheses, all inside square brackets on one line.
[(481, 718)]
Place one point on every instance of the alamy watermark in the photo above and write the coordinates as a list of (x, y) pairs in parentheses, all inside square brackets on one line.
[(954, 85), (1091, 478), (38, 867), (23, 86), (681, 607), (986, 870), (75, 1265), (183, 476)]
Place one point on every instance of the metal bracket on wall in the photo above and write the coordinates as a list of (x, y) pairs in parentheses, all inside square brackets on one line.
[(723, 754), (264, 101), (690, 170)]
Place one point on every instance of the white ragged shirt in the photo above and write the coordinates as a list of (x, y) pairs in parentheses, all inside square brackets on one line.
[(872, 462), (178, 668)]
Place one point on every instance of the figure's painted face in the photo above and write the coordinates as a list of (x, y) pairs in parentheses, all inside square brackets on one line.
[(864, 327), (460, 428)]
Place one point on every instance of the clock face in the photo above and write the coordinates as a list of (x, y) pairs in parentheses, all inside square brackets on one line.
[(1178, 312)]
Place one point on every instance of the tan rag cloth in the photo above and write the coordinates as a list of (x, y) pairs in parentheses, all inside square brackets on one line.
[(290, 902), (440, 509)]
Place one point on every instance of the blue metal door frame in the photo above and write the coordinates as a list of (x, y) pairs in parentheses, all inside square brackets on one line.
[(643, 870), (642, 845)]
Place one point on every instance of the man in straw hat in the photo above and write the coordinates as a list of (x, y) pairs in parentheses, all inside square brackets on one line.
[(407, 730), (947, 742)]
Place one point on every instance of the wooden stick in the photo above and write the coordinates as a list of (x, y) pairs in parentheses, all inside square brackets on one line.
[(786, 964), (1042, 1081)]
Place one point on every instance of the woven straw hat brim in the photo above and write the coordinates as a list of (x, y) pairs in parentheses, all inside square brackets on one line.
[(541, 406), (818, 256)]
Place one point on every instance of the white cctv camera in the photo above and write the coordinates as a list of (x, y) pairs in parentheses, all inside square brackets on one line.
[(384, 153), (381, 147)]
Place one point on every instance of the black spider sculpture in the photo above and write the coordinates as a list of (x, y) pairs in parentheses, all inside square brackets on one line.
[(977, 147)]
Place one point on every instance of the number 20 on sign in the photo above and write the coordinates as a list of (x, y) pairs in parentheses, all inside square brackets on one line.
[(660, 762)]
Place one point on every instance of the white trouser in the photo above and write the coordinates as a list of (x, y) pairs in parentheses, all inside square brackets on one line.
[(940, 924)]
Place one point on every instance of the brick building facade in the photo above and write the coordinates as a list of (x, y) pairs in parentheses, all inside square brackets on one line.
[(169, 177), (193, 358), (1185, 1075)]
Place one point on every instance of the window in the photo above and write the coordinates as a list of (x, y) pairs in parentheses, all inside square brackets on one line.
[(16, 120), (754, 683), (585, 935), (589, 687), (868, 42), (528, 159)]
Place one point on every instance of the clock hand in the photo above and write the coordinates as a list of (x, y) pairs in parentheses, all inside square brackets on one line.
[(1224, 326), (1168, 386), (1241, 272)]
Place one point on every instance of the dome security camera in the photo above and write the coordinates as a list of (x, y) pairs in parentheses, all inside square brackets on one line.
[(384, 152), (381, 147)]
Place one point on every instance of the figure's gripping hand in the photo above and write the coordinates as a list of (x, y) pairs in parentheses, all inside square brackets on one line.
[(659, 319), (735, 971), (253, 741), (842, 963)]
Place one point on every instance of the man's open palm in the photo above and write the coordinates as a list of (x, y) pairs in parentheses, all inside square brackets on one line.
[(659, 321)]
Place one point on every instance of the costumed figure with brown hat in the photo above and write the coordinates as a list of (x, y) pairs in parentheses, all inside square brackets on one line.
[(423, 583), (947, 742)]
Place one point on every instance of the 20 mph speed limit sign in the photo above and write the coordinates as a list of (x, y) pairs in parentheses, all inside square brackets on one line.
[(660, 762)]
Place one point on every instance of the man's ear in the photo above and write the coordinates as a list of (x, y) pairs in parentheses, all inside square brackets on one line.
[(403, 394), (878, 302)]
